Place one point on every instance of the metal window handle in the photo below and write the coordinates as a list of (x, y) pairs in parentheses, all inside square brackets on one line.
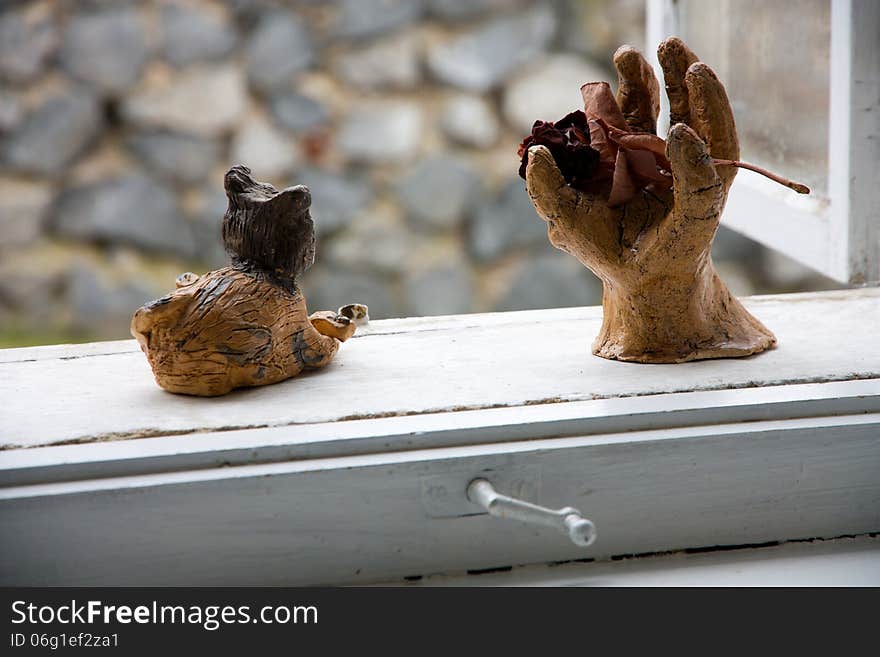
[(567, 519)]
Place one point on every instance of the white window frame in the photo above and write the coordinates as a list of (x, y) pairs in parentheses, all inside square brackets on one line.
[(739, 460), (838, 235), (785, 446)]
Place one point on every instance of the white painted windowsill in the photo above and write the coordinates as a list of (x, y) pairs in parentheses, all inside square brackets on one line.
[(333, 477)]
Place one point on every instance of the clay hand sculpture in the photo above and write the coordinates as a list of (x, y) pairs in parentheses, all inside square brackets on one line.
[(246, 324), (641, 213)]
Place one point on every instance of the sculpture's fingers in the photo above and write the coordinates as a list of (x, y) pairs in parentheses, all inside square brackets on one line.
[(712, 116), (697, 186), (638, 92), (675, 59), (551, 195)]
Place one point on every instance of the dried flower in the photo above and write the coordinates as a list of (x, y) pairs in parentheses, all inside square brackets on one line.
[(635, 160), (595, 146), (568, 139)]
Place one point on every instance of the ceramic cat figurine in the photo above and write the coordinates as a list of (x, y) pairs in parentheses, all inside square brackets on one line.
[(245, 324)]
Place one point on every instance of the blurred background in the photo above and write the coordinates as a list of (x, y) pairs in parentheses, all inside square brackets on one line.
[(118, 119)]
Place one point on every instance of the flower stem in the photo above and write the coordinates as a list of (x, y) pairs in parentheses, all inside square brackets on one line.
[(796, 186)]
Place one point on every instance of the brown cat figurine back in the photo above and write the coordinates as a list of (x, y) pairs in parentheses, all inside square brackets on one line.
[(246, 324)]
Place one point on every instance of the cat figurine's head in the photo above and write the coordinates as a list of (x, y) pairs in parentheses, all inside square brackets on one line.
[(266, 230)]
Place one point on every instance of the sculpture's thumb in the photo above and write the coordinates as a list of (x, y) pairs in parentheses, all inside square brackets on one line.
[(698, 189), (548, 190)]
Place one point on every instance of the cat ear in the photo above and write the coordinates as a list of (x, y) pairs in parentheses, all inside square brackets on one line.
[(238, 179), (295, 199), (289, 211)]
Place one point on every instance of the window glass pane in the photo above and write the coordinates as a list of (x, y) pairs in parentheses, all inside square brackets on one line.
[(773, 58)]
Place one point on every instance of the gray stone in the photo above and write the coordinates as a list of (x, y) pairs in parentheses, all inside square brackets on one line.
[(125, 298), (265, 149), (296, 112), (507, 222), (101, 4), (382, 132), (96, 302), (279, 47), (134, 210), (447, 290), (462, 10), (336, 199), (204, 100), (439, 191), (484, 58), (54, 134), (328, 289), (247, 12), (363, 19), (23, 207), (30, 283), (175, 156), (85, 293), (598, 27), (554, 280), (107, 49), (193, 34), (469, 120), (376, 242), (389, 63), (206, 223), (549, 91), (11, 110), (27, 37)]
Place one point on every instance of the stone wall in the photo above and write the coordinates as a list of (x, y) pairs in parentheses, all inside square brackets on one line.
[(118, 119)]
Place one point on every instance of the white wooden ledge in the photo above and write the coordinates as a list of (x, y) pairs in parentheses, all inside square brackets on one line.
[(403, 367), (333, 477)]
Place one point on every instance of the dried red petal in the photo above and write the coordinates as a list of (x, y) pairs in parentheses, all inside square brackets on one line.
[(569, 142), (645, 154), (600, 103), (643, 167), (599, 141), (640, 141), (623, 189)]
